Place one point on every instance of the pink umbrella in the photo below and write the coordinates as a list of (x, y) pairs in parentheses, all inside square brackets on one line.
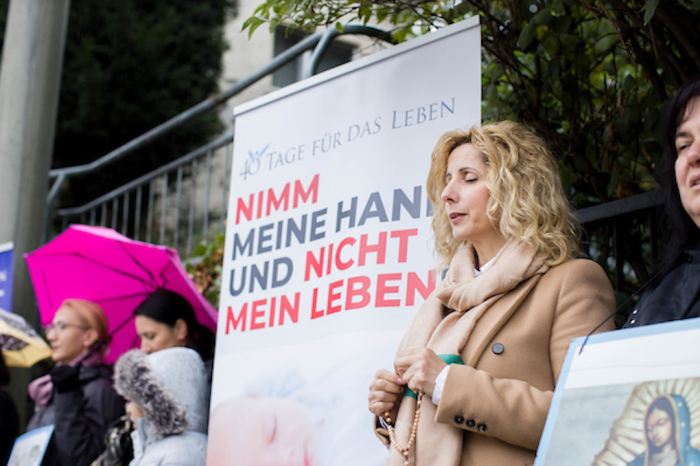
[(100, 265)]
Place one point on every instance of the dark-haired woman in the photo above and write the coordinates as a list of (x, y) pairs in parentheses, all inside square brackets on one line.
[(675, 292), (163, 320), (166, 319)]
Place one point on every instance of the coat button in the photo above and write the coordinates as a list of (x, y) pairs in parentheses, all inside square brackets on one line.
[(482, 427), (497, 348), (470, 423), (459, 419)]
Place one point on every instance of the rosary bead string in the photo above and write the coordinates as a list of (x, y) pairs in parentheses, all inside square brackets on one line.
[(411, 440)]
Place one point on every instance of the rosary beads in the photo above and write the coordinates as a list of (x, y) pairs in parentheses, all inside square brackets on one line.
[(411, 440)]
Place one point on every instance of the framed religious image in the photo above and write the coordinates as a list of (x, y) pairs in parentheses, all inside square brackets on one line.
[(29, 449), (627, 398)]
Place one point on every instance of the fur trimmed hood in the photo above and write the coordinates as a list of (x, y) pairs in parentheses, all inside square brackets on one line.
[(169, 386)]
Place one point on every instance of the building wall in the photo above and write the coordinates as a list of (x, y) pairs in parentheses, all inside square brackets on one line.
[(247, 55), (244, 56)]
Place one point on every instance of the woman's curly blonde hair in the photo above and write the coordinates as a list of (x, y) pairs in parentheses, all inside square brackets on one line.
[(527, 199)]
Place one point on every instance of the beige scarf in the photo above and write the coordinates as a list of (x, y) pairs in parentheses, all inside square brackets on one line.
[(444, 324)]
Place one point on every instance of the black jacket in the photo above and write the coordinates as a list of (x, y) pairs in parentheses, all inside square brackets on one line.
[(81, 418), (676, 297), (9, 425)]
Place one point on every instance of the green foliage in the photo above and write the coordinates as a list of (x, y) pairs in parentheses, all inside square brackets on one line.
[(306, 15), (649, 9), (204, 268), (129, 66)]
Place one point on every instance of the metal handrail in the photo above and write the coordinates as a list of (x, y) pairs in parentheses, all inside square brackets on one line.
[(619, 207), (61, 174), (222, 141)]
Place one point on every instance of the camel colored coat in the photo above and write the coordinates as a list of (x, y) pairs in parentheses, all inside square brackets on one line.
[(501, 396)]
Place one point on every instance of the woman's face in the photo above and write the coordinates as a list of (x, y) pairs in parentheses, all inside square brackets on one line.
[(688, 160), (68, 336), (466, 197), (133, 410), (659, 428), (156, 336)]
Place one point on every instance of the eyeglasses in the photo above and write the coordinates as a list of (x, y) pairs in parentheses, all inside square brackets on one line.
[(61, 326)]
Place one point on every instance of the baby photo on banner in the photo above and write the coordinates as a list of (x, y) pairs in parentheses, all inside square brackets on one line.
[(629, 398), (328, 250)]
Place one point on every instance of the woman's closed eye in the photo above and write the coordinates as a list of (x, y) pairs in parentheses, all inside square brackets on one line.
[(470, 177), (682, 143)]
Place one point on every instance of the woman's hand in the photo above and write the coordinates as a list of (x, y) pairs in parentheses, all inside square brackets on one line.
[(384, 392), (419, 368)]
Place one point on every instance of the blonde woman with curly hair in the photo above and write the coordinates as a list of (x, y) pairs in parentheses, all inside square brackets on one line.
[(474, 375)]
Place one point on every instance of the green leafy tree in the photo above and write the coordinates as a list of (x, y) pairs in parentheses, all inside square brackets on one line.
[(130, 65), (205, 267), (592, 77)]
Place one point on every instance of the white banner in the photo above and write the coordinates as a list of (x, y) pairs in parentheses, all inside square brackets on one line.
[(328, 248)]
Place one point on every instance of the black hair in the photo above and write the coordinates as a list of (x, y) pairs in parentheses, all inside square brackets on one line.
[(684, 232), (167, 307), (4, 372)]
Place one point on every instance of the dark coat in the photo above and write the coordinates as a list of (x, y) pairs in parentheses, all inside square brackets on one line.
[(81, 418), (676, 297), (9, 425)]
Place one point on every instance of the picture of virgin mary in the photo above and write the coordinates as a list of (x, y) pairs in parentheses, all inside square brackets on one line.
[(667, 434), (660, 426)]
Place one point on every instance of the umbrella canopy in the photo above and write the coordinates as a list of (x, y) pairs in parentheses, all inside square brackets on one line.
[(100, 265), (20, 344)]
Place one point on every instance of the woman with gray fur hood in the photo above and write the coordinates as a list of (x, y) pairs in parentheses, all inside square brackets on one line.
[(167, 393)]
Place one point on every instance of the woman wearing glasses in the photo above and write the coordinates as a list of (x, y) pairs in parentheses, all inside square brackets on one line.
[(77, 395)]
